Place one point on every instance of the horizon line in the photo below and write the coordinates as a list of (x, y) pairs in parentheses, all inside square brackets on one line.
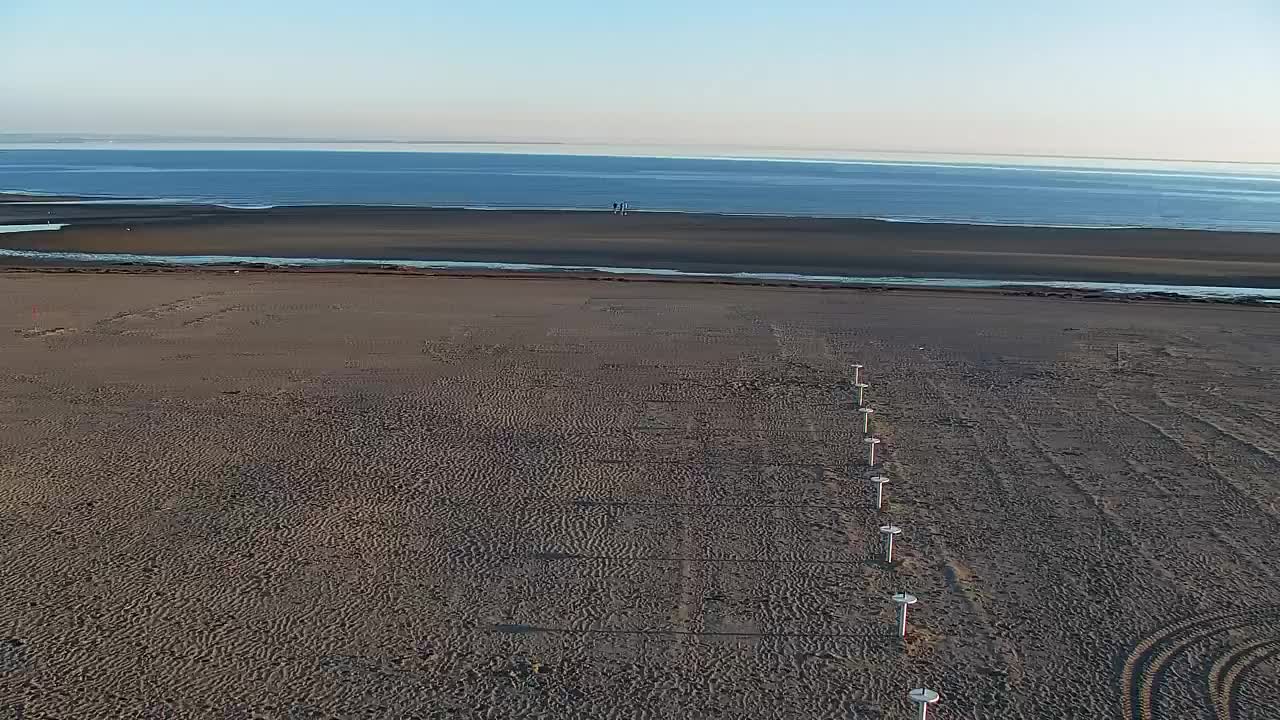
[(13, 137)]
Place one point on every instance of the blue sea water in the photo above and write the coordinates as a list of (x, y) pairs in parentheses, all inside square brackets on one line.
[(1245, 198)]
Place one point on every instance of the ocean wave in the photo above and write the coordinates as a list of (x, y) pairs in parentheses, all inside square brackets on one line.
[(31, 227), (1170, 173), (105, 201), (27, 192), (993, 223)]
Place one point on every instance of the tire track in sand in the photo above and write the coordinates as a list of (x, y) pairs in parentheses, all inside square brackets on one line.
[(1163, 418), (1180, 429), (688, 616), (1198, 406), (1229, 672), (1077, 481), (803, 344), (1145, 667), (959, 577)]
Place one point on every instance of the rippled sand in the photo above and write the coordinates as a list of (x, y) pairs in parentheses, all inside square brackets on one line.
[(339, 495)]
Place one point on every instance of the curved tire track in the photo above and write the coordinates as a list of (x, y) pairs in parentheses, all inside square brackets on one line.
[(1144, 668), (1229, 672)]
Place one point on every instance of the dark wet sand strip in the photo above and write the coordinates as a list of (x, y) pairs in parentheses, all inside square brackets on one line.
[(696, 243)]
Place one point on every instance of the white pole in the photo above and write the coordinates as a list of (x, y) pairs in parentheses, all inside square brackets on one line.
[(872, 442), (879, 481), (889, 531), (903, 600), (923, 698)]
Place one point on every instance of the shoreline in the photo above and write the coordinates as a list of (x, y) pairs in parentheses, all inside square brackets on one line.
[(32, 198), (1011, 290), (654, 242)]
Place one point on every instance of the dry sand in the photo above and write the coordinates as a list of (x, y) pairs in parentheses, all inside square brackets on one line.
[(701, 243), (355, 496)]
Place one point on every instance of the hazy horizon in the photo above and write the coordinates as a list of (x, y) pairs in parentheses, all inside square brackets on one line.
[(1183, 81), (124, 142), (104, 140)]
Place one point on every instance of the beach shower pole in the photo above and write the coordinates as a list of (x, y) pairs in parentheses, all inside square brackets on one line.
[(888, 531), (903, 600), (861, 387), (923, 698), (857, 373), (866, 419), (871, 442), (879, 481)]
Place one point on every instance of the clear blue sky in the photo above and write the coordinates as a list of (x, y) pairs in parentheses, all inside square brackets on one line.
[(1151, 78)]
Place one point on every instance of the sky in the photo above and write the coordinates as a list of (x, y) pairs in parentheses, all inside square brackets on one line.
[(1107, 78)]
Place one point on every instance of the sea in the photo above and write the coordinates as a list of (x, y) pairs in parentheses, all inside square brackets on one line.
[(901, 187), (892, 187)]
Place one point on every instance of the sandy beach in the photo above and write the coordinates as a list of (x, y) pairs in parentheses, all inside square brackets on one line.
[(289, 495), (699, 243)]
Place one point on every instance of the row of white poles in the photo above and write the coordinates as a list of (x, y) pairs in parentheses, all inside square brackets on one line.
[(922, 698)]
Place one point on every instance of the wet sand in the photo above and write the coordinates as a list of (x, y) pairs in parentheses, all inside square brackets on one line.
[(291, 495), (700, 243)]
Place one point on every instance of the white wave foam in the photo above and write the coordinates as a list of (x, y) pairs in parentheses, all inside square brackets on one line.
[(31, 227), (30, 193), (1191, 291), (107, 201), (993, 223), (1172, 174)]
